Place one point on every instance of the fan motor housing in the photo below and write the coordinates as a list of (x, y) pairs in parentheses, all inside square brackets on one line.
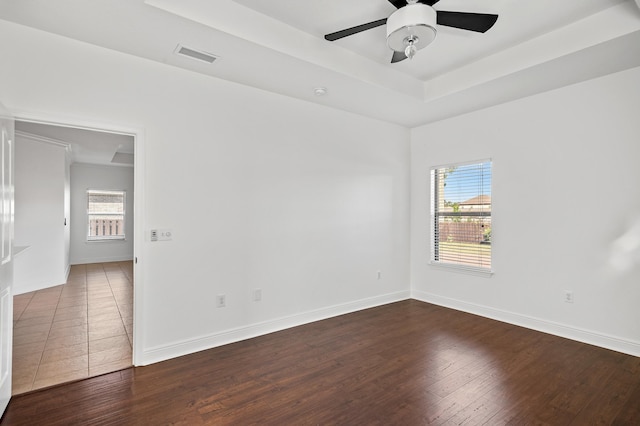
[(412, 21)]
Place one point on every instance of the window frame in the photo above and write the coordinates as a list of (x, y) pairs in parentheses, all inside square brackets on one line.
[(102, 238), (433, 224)]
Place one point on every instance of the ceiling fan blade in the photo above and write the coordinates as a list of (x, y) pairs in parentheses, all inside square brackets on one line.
[(402, 3), (479, 22), (397, 57), (354, 30)]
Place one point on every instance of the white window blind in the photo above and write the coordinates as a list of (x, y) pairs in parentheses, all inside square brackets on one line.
[(461, 215), (105, 215)]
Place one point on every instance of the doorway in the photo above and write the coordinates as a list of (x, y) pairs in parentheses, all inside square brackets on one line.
[(80, 325)]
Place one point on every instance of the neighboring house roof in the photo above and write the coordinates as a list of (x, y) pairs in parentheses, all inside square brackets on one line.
[(479, 200)]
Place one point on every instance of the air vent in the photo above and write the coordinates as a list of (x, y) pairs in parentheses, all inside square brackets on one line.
[(195, 54)]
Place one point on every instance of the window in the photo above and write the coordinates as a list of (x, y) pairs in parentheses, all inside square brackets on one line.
[(105, 215), (461, 216)]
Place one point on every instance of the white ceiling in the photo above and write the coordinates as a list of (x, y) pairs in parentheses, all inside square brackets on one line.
[(85, 146), (278, 46), (517, 22)]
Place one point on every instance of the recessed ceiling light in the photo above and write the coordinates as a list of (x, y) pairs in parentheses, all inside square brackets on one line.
[(320, 91)]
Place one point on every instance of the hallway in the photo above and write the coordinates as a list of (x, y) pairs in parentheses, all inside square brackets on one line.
[(80, 329)]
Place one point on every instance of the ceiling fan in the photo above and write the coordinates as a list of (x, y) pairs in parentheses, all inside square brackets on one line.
[(412, 26)]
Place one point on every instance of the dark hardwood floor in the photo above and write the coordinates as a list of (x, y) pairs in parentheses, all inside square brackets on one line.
[(407, 363)]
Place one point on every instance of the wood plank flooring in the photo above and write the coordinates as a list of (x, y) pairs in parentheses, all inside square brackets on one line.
[(406, 363)]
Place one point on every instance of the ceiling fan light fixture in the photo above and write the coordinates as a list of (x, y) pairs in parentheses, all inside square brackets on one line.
[(411, 50), (411, 28)]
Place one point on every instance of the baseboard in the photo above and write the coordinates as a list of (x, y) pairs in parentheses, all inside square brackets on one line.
[(101, 260), (185, 347), (164, 352), (585, 336)]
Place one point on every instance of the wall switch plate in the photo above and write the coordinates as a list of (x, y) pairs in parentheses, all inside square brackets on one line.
[(161, 235), (257, 295), (221, 301)]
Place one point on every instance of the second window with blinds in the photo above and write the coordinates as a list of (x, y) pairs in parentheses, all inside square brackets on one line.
[(461, 216)]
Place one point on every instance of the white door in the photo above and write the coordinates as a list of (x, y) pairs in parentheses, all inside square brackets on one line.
[(6, 259)]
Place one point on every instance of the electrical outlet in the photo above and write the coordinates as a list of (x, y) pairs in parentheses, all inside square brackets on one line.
[(257, 295), (221, 301), (568, 296)]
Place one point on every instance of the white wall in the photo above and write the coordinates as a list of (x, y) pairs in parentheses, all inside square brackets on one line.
[(40, 207), (565, 195), (91, 176), (260, 191), (307, 203)]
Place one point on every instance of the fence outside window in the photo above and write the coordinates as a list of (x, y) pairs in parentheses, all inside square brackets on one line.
[(461, 215), (105, 215)]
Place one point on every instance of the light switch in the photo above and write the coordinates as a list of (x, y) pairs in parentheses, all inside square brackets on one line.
[(161, 235)]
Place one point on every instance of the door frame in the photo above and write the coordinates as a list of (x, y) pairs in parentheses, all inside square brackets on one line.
[(137, 132), (6, 266)]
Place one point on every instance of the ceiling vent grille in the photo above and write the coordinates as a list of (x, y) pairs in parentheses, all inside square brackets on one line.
[(195, 54)]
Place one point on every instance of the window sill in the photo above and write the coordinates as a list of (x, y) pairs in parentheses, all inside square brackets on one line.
[(479, 272)]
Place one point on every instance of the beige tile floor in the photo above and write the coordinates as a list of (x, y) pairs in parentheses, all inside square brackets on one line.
[(76, 330)]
